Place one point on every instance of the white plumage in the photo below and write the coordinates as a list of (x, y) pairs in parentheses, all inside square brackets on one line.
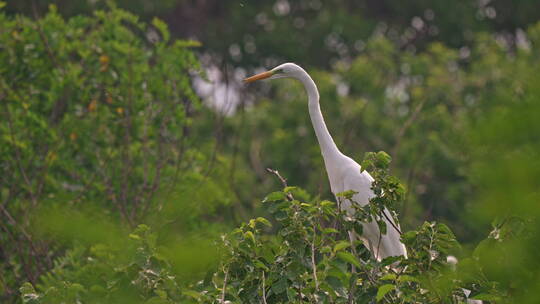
[(343, 172)]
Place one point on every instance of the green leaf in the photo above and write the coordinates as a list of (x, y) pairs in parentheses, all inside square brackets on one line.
[(341, 245), (264, 221), (281, 215), (249, 235), (409, 236), (274, 196), (383, 290), (383, 159), (156, 300), (141, 228), (192, 293), (388, 277), (349, 258), (162, 27), (390, 260), (289, 189), (134, 236), (327, 203), (76, 287), (187, 43), (280, 286), (334, 282), (252, 223), (407, 278), (382, 226), (329, 230), (366, 163), (261, 265), (346, 194), (358, 228), (161, 293), (486, 297)]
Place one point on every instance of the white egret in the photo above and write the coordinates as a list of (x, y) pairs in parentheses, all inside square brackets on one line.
[(343, 172)]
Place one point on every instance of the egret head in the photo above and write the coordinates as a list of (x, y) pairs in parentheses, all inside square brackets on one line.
[(281, 71)]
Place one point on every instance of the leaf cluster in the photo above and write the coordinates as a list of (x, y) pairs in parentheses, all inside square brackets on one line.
[(308, 257)]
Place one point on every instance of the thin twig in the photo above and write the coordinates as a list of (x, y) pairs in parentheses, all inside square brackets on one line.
[(350, 298), (222, 301), (43, 38), (264, 288), (313, 265), (18, 157), (391, 222), (406, 125), (283, 181), (378, 255), (125, 185)]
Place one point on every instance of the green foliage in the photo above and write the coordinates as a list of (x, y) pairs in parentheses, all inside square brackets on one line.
[(98, 115), (108, 105), (505, 165), (387, 188), (137, 272), (306, 256), (309, 258)]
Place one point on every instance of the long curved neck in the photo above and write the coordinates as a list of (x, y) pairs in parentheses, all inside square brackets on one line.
[(328, 147)]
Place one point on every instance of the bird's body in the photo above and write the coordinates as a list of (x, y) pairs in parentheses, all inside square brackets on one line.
[(351, 178), (343, 172)]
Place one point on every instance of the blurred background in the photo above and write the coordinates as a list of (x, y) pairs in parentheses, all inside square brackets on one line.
[(449, 89)]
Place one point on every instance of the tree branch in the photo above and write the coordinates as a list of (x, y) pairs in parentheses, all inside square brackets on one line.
[(222, 300), (389, 219), (264, 288), (283, 181), (313, 265)]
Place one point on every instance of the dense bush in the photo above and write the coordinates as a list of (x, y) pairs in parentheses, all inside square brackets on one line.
[(307, 258), (96, 113), (106, 273)]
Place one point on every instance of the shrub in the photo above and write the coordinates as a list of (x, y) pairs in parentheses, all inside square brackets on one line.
[(96, 110)]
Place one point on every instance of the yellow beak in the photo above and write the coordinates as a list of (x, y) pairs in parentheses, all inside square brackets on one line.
[(260, 76)]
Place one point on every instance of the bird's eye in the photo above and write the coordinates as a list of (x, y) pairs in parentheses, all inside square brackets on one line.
[(278, 71)]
